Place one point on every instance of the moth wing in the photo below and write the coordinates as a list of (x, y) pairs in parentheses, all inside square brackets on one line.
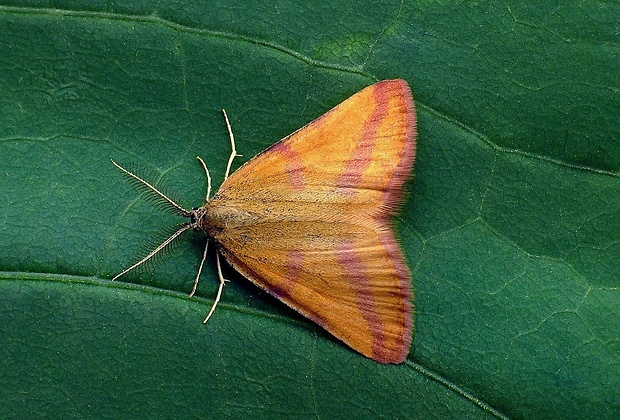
[(308, 220), (359, 153), (341, 276)]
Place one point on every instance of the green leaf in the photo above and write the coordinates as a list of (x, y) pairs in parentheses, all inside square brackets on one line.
[(511, 226)]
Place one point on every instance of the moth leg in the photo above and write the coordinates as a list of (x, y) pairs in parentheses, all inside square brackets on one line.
[(204, 165), (233, 153), (219, 290), (202, 262)]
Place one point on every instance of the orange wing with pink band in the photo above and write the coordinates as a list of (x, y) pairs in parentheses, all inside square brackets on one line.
[(308, 220)]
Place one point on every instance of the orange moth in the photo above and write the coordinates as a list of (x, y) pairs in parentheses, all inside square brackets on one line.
[(308, 220)]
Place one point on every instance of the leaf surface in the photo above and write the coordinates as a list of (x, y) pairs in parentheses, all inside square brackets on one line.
[(511, 226)]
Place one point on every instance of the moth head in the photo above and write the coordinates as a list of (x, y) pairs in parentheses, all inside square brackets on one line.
[(197, 218)]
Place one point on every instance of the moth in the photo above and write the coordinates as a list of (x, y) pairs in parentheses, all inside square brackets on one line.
[(309, 220)]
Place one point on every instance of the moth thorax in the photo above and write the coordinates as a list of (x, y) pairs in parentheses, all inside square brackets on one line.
[(219, 215)]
